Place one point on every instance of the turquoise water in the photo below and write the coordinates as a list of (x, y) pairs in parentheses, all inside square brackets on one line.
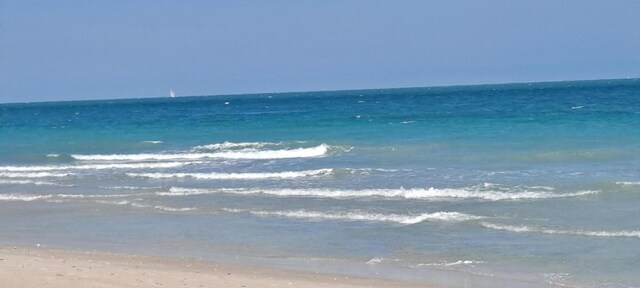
[(519, 185)]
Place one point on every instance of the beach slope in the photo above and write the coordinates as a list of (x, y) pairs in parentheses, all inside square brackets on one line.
[(42, 267)]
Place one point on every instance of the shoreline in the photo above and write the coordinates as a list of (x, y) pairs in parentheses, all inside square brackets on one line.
[(26, 266)]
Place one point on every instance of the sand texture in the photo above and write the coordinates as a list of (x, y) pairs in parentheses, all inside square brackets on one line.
[(42, 267)]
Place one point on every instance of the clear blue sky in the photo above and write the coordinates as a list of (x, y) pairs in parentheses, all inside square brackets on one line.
[(60, 50)]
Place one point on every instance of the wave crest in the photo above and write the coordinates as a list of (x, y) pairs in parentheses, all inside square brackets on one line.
[(429, 193), (97, 166), (231, 145), (24, 181), (19, 197), (525, 229), (316, 151), (628, 183), (370, 217), (32, 175), (144, 206), (235, 176)]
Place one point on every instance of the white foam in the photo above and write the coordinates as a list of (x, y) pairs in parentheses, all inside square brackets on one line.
[(317, 151), (525, 229), (153, 142), (24, 181), (370, 170), (129, 187), (177, 191), (231, 145), (628, 183), (235, 176), (363, 216), (373, 261), (121, 202), (33, 175), (53, 155), (81, 196), (97, 166), (139, 205), (172, 209), (19, 197), (449, 264), (429, 193)]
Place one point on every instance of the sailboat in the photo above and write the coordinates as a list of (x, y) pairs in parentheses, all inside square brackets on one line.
[(172, 94)]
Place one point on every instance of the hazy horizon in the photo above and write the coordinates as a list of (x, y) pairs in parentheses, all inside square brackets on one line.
[(71, 50), (333, 90)]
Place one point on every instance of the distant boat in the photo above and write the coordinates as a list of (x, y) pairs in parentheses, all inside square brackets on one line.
[(172, 94)]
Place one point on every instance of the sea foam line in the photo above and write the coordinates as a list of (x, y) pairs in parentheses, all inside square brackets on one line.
[(129, 187), (449, 264), (92, 196), (19, 197), (430, 193), (97, 166), (29, 197), (24, 181), (527, 229), (157, 207), (235, 176), (371, 217), (628, 183), (232, 145), (316, 151), (174, 209), (32, 175)]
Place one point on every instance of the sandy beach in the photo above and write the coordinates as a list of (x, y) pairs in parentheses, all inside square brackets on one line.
[(22, 266)]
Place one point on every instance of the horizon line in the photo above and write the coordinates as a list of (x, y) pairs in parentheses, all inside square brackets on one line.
[(331, 90)]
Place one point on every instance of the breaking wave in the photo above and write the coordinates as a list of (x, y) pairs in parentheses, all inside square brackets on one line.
[(97, 166), (527, 229), (235, 176), (18, 197), (23, 181), (32, 175), (173, 209), (449, 264), (90, 196), (628, 183), (353, 216), (129, 187), (429, 193), (138, 205), (316, 151), (232, 145)]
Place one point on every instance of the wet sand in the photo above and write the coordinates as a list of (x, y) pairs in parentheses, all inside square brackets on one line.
[(22, 266)]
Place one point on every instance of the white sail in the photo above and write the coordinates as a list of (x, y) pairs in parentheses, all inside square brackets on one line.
[(172, 94)]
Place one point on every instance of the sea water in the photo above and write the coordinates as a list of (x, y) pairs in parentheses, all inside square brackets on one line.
[(519, 185)]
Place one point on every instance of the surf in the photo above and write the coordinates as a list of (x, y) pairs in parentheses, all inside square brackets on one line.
[(401, 193), (592, 233), (236, 176), (316, 151), (364, 216)]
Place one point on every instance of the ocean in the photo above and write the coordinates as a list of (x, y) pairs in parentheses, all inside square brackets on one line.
[(514, 185)]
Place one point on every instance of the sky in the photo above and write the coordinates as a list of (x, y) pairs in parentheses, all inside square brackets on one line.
[(67, 50)]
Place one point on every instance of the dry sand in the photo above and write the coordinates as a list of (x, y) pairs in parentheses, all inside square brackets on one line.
[(43, 267)]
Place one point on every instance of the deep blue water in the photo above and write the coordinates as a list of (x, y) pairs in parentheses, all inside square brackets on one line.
[(533, 185)]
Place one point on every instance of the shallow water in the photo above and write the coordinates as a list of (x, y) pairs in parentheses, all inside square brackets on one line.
[(527, 185)]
